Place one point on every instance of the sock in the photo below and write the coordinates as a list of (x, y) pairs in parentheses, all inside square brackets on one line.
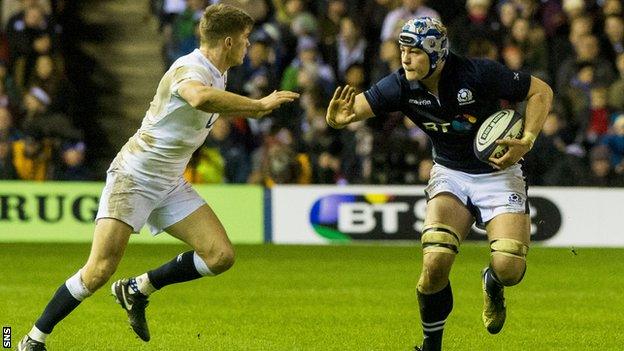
[(143, 285), (66, 299), (37, 334), (434, 308), (186, 266), (491, 280)]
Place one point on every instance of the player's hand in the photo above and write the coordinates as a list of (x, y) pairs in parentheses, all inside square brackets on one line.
[(517, 149), (340, 111), (275, 100)]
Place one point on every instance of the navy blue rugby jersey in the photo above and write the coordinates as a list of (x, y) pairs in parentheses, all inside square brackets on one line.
[(469, 91)]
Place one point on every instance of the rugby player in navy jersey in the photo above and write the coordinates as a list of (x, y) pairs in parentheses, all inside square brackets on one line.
[(448, 97)]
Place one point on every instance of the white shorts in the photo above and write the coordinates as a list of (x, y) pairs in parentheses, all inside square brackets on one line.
[(137, 202), (485, 195)]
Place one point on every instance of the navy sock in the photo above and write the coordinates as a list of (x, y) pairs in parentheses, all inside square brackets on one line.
[(180, 269), (434, 308), (61, 304)]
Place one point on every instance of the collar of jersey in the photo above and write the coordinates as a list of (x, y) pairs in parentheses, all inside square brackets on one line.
[(208, 63)]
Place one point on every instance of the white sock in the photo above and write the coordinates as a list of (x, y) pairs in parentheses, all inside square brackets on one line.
[(77, 288), (144, 284), (201, 266), (37, 334)]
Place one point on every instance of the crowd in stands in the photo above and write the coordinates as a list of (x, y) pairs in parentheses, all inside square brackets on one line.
[(38, 140), (577, 46), (312, 46)]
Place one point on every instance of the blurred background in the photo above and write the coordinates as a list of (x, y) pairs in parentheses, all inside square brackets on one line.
[(76, 78)]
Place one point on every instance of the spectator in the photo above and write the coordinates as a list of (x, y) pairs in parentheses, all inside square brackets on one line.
[(389, 60), (375, 11), (234, 149), (307, 58), (28, 37), (513, 57), (7, 170), (396, 18), (616, 90), (7, 130), (8, 89), (183, 31), (257, 76), (614, 141), (612, 7), (531, 42), (601, 172), (355, 76), (276, 162), (573, 8), (548, 150), (32, 156), (476, 26), (322, 143), (283, 166), (35, 104), (72, 165), (483, 48), (330, 24), (562, 46), (206, 166), (613, 43), (598, 115), (350, 47), (587, 50)]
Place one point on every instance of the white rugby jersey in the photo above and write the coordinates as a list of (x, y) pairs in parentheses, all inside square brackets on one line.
[(171, 129)]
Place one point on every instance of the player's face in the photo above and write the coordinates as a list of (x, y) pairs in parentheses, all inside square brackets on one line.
[(240, 43), (415, 62)]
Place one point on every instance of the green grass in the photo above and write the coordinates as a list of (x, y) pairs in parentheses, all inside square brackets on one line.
[(323, 298)]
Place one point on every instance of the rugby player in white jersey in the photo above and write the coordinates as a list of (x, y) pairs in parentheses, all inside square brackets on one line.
[(144, 183)]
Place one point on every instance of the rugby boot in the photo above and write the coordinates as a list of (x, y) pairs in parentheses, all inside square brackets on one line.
[(494, 309), (29, 344), (134, 304)]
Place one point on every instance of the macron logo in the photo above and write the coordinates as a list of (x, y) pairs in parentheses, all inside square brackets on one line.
[(420, 102)]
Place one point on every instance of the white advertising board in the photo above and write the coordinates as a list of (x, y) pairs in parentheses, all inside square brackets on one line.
[(331, 214)]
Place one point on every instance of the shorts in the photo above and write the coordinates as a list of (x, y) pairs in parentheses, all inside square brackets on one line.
[(485, 195), (137, 202)]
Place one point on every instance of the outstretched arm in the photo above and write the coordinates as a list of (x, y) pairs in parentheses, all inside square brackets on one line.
[(346, 107), (212, 100), (539, 100)]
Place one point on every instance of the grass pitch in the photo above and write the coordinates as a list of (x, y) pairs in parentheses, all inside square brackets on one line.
[(322, 298)]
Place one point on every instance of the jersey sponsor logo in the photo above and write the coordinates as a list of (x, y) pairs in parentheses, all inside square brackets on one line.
[(461, 124), (516, 76), (464, 97), (423, 102)]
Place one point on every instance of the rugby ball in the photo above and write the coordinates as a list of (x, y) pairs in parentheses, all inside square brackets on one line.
[(500, 125)]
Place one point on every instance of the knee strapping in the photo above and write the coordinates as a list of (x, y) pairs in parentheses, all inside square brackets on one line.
[(509, 248), (437, 237)]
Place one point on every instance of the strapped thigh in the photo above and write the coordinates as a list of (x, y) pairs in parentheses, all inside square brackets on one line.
[(437, 237), (509, 248)]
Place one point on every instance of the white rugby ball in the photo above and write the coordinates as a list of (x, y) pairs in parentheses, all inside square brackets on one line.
[(500, 125)]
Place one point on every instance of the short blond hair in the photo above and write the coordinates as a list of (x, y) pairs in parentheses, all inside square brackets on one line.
[(221, 21)]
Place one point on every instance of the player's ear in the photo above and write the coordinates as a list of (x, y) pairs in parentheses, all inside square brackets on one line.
[(228, 42)]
